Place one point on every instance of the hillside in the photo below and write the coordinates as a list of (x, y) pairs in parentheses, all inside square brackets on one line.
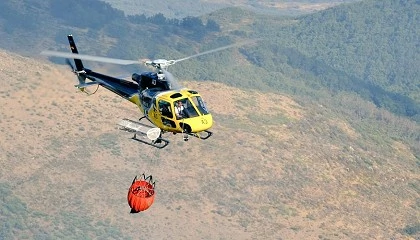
[(277, 167), (177, 9), (363, 48), (368, 48)]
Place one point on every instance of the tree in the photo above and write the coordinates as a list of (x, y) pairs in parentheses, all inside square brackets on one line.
[(212, 26)]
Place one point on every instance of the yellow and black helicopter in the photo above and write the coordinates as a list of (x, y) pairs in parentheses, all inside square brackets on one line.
[(168, 106)]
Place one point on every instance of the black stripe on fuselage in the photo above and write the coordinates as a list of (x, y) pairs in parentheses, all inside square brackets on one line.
[(122, 87)]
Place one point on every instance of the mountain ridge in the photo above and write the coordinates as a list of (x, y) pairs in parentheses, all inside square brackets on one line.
[(176, 9)]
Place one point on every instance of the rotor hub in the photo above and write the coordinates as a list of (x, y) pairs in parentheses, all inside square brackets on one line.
[(160, 63)]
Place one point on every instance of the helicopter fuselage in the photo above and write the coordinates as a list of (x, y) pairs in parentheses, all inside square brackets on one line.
[(167, 106), (157, 101)]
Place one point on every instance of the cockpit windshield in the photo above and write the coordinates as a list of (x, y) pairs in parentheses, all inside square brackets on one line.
[(201, 106), (184, 109)]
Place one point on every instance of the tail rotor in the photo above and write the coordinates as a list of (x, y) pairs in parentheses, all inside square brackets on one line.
[(80, 76)]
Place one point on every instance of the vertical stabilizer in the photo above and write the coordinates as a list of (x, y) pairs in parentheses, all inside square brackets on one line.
[(77, 62)]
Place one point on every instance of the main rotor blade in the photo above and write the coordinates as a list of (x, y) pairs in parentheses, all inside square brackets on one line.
[(89, 58), (214, 50)]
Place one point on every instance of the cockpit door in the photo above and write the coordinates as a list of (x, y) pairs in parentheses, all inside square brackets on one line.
[(165, 111)]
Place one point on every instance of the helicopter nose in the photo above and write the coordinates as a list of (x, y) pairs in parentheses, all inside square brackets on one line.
[(197, 124), (206, 122)]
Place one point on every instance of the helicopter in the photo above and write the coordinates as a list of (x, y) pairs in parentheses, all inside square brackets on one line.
[(166, 105)]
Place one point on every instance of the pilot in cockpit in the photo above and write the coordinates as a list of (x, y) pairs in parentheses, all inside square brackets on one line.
[(179, 110)]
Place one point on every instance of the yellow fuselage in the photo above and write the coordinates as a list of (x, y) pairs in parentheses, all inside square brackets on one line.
[(200, 121)]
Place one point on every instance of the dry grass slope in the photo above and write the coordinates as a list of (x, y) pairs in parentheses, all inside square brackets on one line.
[(275, 169)]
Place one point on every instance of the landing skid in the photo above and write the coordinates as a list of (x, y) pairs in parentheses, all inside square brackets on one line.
[(144, 133), (201, 135), (158, 143)]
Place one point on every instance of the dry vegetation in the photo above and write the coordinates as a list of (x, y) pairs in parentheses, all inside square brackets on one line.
[(275, 169)]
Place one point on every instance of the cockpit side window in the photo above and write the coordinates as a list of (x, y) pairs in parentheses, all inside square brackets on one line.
[(165, 109)]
